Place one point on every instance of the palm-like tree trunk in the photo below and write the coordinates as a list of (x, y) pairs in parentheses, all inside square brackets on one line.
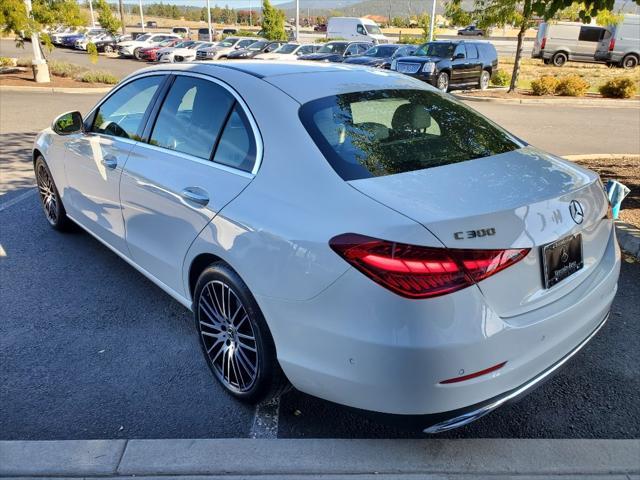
[(526, 18)]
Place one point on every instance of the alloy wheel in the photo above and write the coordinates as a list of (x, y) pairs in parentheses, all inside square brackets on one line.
[(484, 80), (48, 195), (228, 337), (443, 82)]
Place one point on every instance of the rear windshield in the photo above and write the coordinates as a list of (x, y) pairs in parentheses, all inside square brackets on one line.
[(384, 132)]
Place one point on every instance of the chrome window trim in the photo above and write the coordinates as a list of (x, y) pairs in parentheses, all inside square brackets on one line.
[(254, 126)]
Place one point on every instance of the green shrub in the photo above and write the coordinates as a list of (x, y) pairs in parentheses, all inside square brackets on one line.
[(545, 85), (23, 62), (6, 62), (245, 33), (619, 87), (411, 40), (98, 76), (64, 69), (572, 86), (500, 78), (92, 50)]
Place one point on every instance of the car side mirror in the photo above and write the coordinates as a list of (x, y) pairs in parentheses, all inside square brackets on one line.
[(68, 123), (347, 54), (458, 56)]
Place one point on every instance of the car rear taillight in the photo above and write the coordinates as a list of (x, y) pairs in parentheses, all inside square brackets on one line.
[(612, 44), (543, 43), (421, 272)]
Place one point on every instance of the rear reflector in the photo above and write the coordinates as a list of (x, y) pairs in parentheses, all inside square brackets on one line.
[(543, 43), (474, 375), (421, 272), (612, 44)]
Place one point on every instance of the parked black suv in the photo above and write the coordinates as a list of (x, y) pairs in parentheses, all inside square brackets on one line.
[(449, 64)]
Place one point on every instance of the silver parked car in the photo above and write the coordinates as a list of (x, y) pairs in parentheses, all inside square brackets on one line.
[(353, 231), (557, 43), (621, 43)]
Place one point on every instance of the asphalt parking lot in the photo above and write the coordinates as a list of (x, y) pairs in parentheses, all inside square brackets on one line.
[(90, 349)]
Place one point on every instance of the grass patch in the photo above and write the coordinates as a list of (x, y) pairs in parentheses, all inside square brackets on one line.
[(98, 76), (65, 69), (23, 62)]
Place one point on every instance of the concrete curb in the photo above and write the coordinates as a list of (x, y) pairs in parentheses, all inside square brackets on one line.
[(628, 238), (225, 457), (594, 102), (12, 88)]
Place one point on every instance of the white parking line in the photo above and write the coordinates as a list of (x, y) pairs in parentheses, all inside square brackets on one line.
[(18, 199), (265, 420)]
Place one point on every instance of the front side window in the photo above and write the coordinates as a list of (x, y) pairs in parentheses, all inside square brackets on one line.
[(374, 30), (192, 116), (255, 46), (286, 48), (306, 49), (436, 49), (122, 113), (384, 132), (460, 50), (352, 50), (361, 30), (245, 43), (333, 47)]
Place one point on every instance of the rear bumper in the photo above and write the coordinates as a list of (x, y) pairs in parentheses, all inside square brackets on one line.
[(359, 345)]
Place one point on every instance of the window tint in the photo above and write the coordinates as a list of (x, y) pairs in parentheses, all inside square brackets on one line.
[(122, 113), (472, 51), (192, 116), (590, 34), (352, 49), (237, 148), (383, 132)]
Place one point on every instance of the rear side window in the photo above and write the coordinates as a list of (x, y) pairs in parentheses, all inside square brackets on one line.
[(192, 117), (472, 51), (590, 34), (384, 132), (237, 148)]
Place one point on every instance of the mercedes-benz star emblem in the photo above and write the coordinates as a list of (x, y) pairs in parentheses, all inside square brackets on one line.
[(576, 211)]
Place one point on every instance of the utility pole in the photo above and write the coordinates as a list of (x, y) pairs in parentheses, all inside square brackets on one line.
[(39, 64), (124, 28), (250, 14), (432, 20), (141, 15), (93, 19), (297, 20), (209, 21)]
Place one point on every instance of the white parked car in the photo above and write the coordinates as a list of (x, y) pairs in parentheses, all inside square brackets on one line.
[(94, 36), (289, 51), (57, 37), (411, 258), (131, 48), (181, 52), (223, 48)]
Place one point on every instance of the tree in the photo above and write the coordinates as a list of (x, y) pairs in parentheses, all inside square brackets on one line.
[(106, 18), (424, 22), (456, 15), (272, 22), (15, 18), (520, 13)]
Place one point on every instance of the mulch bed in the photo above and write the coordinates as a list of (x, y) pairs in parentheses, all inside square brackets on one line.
[(520, 94), (627, 171)]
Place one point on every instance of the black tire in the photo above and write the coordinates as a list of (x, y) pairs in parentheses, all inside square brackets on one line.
[(136, 53), (442, 82), (559, 59), (108, 49), (50, 199), (629, 62), (546, 61), (225, 338)]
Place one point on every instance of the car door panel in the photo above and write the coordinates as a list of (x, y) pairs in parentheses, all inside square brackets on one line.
[(96, 157), (459, 66), (171, 188)]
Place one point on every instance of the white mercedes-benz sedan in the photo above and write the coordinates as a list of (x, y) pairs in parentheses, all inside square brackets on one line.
[(355, 233)]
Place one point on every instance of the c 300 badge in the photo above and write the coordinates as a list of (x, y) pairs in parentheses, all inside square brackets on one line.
[(483, 232)]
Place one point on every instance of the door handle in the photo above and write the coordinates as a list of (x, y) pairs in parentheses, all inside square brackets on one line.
[(195, 195), (110, 162)]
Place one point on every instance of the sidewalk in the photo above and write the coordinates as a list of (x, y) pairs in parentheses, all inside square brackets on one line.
[(388, 459)]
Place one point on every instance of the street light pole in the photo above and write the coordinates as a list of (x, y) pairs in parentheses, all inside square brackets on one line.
[(297, 20), (141, 15), (250, 14), (93, 19), (209, 21), (433, 20)]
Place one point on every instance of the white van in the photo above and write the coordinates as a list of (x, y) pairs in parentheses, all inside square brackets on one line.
[(621, 44), (556, 43), (352, 28)]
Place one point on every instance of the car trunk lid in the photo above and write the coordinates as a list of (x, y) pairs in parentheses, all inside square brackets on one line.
[(519, 199)]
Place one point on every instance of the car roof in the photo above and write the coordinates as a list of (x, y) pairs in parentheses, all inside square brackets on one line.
[(294, 79)]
